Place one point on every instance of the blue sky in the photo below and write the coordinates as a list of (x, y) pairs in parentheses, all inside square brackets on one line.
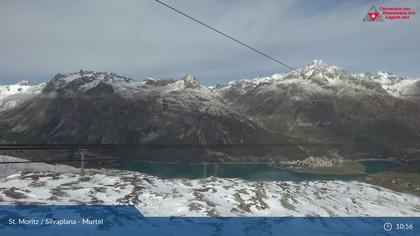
[(140, 38)]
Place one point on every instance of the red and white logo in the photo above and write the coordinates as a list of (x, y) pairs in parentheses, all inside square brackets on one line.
[(389, 13), (373, 15)]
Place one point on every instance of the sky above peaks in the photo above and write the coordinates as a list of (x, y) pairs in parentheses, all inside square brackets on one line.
[(141, 39)]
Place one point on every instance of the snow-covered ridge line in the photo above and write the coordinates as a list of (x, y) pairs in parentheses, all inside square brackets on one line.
[(314, 77), (318, 76), (85, 81)]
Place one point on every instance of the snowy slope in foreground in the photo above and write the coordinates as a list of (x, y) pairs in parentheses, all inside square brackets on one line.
[(208, 197), (9, 169)]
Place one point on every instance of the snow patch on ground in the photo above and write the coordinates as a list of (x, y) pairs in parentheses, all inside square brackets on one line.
[(10, 169), (203, 197)]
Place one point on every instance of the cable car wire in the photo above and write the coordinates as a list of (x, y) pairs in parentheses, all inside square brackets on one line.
[(224, 34)]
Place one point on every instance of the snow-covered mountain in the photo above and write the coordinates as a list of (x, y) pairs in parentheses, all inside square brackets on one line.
[(16, 94), (98, 107), (90, 82), (316, 103), (324, 103), (320, 77), (49, 184), (397, 86)]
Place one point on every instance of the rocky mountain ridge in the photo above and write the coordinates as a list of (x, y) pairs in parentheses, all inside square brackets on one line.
[(317, 103)]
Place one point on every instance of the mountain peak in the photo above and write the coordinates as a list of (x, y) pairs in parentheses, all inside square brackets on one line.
[(190, 81), (320, 70), (86, 80), (318, 63), (24, 83), (384, 72)]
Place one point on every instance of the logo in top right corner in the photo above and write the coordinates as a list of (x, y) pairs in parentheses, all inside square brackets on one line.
[(373, 15), (388, 13)]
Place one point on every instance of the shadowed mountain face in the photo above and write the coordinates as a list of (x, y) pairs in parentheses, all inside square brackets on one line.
[(318, 103), (104, 108)]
